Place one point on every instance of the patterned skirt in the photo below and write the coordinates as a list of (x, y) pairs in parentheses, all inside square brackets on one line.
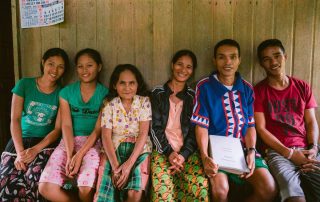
[(22, 185), (189, 185), (138, 177)]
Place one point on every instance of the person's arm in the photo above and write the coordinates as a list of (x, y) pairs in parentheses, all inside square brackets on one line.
[(32, 152), (67, 130), (177, 159), (267, 137), (250, 139), (202, 137), (312, 132), (157, 130), (92, 138), (138, 148), (189, 144), (296, 156), (16, 131), (109, 148)]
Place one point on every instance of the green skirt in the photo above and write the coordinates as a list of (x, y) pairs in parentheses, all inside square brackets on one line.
[(137, 178)]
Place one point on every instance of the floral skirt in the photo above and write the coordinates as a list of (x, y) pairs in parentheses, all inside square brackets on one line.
[(189, 185), (19, 185)]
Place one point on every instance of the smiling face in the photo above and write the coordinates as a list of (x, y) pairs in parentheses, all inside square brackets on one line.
[(273, 60), (182, 69), (227, 60), (87, 69), (53, 68), (126, 85)]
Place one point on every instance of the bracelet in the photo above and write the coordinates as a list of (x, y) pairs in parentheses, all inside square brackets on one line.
[(290, 154)]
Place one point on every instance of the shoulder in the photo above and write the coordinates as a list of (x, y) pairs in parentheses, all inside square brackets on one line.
[(26, 81), (190, 92), (143, 99), (70, 88), (203, 83), (110, 103), (299, 82), (261, 85), (102, 88), (72, 85), (158, 90), (247, 84)]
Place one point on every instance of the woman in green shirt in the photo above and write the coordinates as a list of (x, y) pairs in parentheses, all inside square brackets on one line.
[(34, 112)]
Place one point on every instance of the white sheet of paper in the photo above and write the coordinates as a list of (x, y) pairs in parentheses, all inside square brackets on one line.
[(228, 154)]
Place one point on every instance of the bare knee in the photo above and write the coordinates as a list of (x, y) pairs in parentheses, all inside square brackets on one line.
[(42, 188), (220, 193), (268, 192), (45, 188), (48, 190), (134, 196), (86, 193), (219, 187)]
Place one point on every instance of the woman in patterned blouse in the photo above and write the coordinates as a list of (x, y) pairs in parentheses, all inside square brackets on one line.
[(125, 124)]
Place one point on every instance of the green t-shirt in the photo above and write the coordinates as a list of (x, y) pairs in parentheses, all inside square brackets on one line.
[(83, 115), (39, 109)]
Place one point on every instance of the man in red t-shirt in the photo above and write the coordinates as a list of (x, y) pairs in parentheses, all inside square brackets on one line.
[(286, 122)]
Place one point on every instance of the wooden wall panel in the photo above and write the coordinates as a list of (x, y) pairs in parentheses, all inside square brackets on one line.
[(283, 28), (50, 37), (222, 20), (122, 25), (316, 59), (147, 32), (68, 35), (182, 24), (202, 36), (162, 40), (243, 33), (143, 37), (30, 52), (86, 24), (303, 39), (263, 29), (105, 36)]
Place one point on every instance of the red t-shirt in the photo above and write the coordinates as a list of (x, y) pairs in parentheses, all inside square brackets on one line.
[(284, 110)]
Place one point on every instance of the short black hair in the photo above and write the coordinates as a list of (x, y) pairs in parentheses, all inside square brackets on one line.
[(268, 43), (185, 52), (142, 86), (228, 42)]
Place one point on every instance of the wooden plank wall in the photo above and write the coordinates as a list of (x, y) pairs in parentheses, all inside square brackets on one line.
[(148, 32)]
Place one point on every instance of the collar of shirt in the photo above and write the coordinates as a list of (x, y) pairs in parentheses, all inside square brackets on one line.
[(220, 89)]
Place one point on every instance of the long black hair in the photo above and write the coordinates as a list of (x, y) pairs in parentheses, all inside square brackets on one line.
[(142, 86)]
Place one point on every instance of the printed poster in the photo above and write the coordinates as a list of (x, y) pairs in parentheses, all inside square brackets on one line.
[(40, 13)]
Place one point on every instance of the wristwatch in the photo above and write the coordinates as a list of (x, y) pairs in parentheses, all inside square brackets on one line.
[(312, 145), (251, 149)]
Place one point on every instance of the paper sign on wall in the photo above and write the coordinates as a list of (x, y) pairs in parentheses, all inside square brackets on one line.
[(39, 13)]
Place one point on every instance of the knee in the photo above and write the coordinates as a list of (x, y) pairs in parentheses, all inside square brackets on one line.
[(43, 188), (85, 192), (267, 192), (134, 195), (220, 192)]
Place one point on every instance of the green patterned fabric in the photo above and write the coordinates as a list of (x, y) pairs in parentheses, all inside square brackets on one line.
[(107, 192), (189, 185)]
